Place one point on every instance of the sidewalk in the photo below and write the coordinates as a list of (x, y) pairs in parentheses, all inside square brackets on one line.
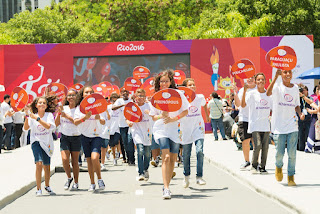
[(302, 199), (17, 170)]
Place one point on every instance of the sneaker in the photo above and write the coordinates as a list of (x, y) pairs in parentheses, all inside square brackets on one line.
[(154, 163), (80, 164), (92, 188), (115, 162), (176, 165), (39, 192), (108, 155), (103, 168), (101, 184), (131, 164), (141, 177), (117, 155), (201, 181), (166, 194), (186, 182), (68, 183), (245, 165), (75, 186), (254, 170), (263, 170), (173, 174), (146, 175), (49, 191)]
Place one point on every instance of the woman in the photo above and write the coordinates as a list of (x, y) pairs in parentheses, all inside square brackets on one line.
[(90, 127), (70, 143), (216, 115), (192, 128), (40, 121), (166, 129)]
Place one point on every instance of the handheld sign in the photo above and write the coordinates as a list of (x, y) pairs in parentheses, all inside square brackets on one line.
[(132, 112), (59, 90), (105, 84), (282, 57), (181, 66), (19, 98), (77, 87), (148, 86), (141, 72), (243, 69), (100, 90), (167, 100), (132, 84), (91, 63), (94, 103), (179, 76), (189, 93), (115, 89), (113, 79)]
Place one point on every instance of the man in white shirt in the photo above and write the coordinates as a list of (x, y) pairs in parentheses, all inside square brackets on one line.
[(8, 122)]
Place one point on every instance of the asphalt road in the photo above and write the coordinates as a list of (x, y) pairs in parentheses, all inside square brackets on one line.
[(124, 194)]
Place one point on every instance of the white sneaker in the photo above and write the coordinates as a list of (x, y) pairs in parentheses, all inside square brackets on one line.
[(186, 181), (103, 168), (101, 184), (75, 186), (176, 165), (68, 183), (49, 191), (108, 155), (141, 177), (166, 194), (201, 181), (115, 162), (146, 175), (92, 188), (39, 193)]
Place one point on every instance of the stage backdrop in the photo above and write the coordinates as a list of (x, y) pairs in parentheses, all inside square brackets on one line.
[(34, 66)]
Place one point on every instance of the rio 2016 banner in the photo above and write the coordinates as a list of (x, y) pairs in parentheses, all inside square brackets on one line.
[(33, 67)]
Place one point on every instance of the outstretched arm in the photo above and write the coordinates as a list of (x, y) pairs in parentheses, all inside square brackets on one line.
[(269, 90)]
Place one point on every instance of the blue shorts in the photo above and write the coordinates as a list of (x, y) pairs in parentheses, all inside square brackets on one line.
[(90, 145), (70, 143), (105, 143), (114, 139), (166, 143), (39, 154), (154, 145)]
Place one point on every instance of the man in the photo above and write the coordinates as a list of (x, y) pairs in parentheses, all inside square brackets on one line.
[(284, 122), (8, 122)]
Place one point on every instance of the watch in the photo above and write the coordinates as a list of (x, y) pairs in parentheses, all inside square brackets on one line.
[(38, 118)]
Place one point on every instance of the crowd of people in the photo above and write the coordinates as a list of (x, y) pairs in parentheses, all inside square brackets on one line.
[(166, 136)]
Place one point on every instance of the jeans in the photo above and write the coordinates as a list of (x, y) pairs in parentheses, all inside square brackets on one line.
[(1, 137), (128, 143), (280, 141), (7, 135), (217, 123), (261, 142), (186, 157), (304, 127), (144, 155), (18, 131)]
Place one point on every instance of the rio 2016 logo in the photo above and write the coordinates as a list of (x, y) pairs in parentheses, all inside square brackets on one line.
[(288, 97), (130, 47)]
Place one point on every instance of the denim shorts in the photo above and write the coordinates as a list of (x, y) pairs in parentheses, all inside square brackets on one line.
[(105, 143), (114, 139), (154, 145), (90, 145), (39, 154), (71, 143), (166, 143)]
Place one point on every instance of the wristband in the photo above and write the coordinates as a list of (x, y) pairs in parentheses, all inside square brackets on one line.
[(26, 116), (82, 120), (59, 114), (178, 117), (38, 118), (159, 117)]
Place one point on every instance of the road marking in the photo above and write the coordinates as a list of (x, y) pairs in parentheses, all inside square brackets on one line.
[(139, 192), (140, 210)]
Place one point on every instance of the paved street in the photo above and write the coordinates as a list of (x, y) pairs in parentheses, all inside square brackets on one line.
[(123, 194)]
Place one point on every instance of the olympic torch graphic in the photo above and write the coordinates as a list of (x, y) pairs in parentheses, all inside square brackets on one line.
[(214, 60)]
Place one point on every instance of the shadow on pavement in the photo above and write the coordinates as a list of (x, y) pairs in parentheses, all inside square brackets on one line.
[(151, 184), (190, 196), (107, 192), (208, 190)]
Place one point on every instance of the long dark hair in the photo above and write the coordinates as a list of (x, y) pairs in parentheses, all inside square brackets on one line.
[(51, 107), (167, 72), (80, 95)]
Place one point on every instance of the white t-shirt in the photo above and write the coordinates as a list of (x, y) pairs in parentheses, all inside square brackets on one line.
[(142, 131), (171, 130), (18, 117), (6, 107), (105, 134), (114, 120), (285, 100), (90, 127), (66, 126), (192, 125), (41, 134), (122, 119), (259, 105), (244, 112)]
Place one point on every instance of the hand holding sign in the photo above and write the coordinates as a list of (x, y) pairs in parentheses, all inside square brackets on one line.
[(243, 69), (167, 100), (94, 103), (189, 93), (282, 57), (19, 98), (132, 112)]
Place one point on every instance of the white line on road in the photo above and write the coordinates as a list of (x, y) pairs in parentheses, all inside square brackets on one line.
[(140, 210)]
